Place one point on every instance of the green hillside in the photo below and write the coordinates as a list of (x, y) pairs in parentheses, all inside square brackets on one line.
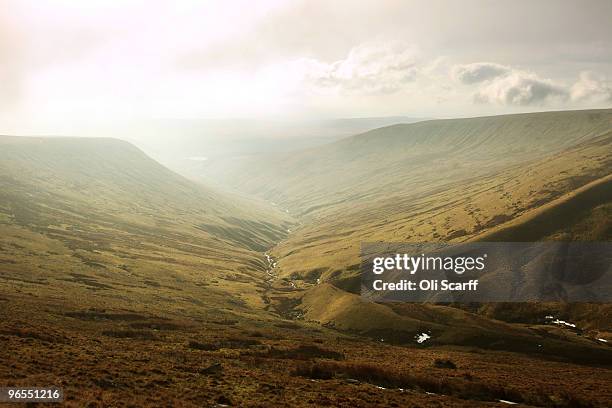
[(412, 159), (447, 180), (117, 274), (435, 180), (98, 217)]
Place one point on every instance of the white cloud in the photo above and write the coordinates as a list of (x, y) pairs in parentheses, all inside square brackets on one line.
[(478, 72), (508, 86), (591, 87), (64, 62), (505, 85), (370, 68), (520, 88)]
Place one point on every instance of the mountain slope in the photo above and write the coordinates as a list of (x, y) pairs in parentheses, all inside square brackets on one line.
[(98, 216), (438, 206), (129, 283), (413, 159), (328, 247), (563, 218), (418, 196)]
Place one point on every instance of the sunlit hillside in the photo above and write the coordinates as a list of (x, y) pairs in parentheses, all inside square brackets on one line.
[(518, 177), (405, 160), (89, 219), (177, 285)]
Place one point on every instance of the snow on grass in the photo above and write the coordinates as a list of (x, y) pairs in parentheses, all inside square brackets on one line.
[(560, 322), (564, 323), (422, 338)]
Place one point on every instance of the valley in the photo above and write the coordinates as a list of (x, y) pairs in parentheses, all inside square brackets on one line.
[(129, 284)]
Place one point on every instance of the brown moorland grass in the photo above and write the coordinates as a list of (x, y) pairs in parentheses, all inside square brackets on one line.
[(457, 387), (128, 285)]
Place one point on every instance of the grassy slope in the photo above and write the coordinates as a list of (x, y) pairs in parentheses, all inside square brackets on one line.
[(400, 160), (96, 222), (427, 188), (328, 247), (124, 296)]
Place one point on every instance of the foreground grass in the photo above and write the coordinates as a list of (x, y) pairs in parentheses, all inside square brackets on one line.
[(131, 358), (464, 388)]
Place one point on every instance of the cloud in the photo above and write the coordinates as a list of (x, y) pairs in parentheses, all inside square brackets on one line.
[(591, 87), (520, 88), (370, 68), (505, 85), (478, 72), (109, 60)]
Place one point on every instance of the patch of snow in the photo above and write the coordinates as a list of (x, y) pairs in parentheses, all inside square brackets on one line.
[(549, 317), (318, 281), (197, 158), (508, 402), (563, 322), (602, 340), (380, 388), (422, 338)]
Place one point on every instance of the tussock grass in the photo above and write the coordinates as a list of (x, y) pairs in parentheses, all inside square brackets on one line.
[(130, 334), (229, 343), (444, 363), (303, 352), (457, 387)]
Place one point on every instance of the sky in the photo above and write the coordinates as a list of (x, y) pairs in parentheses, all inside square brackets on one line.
[(70, 64)]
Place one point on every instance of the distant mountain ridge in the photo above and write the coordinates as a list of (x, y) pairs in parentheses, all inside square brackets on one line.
[(404, 156), (174, 141)]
